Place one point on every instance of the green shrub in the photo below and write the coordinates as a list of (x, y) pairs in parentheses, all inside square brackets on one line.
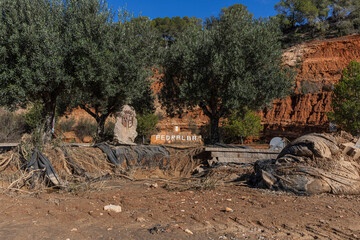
[(86, 127), (67, 125), (34, 118), (160, 116), (310, 87), (146, 126), (109, 130), (346, 100), (12, 126), (242, 125), (194, 128), (345, 27)]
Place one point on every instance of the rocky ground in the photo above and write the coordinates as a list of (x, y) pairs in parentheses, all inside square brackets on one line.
[(177, 209)]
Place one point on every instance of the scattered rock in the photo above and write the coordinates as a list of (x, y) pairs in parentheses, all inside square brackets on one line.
[(158, 229), (228, 210), (154, 185), (198, 170), (188, 231), (74, 230), (113, 208), (140, 219)]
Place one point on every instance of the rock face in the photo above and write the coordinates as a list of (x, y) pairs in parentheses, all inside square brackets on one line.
[(320, 64), (125, 126)]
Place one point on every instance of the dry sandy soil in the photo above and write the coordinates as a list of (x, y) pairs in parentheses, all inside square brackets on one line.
[(167, 211)]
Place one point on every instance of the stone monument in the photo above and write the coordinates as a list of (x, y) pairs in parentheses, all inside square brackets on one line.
[(125, 126)]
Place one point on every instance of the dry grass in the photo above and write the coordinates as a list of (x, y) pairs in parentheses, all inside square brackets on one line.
[(12, 126), (184, 161), (84, 169)]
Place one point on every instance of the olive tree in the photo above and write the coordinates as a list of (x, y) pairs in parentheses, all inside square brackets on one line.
[(112, 61), (33, 53), (233, 62)]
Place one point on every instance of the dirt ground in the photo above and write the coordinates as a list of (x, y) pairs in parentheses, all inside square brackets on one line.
[(173, 211)]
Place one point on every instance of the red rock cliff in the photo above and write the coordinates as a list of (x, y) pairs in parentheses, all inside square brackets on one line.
[(320, 64)]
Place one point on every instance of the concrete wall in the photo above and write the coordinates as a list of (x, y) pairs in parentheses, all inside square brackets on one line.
[(236, 155)]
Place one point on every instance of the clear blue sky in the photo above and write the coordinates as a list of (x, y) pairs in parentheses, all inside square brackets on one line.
[(190, 8)]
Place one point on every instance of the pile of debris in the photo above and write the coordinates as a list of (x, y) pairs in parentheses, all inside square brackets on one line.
[(28, 168), (313, 164)]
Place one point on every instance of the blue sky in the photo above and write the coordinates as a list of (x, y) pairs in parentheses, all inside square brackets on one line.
[(197, 8)]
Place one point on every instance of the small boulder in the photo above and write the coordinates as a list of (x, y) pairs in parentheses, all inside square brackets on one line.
[(125, 126), (113, 208), (228, 210), (140, 219)]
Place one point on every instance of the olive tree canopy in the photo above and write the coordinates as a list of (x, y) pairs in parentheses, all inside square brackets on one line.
[(33, 54), (233, 62)]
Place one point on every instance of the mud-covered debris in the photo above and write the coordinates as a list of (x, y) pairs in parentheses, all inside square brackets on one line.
[(312, 164)]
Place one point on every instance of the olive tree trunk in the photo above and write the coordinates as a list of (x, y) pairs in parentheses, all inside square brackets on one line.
[(49, 120)]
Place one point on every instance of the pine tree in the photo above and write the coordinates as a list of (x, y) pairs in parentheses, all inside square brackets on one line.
[(346, 99)]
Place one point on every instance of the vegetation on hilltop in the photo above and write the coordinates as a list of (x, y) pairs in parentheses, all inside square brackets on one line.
[(302, 20)]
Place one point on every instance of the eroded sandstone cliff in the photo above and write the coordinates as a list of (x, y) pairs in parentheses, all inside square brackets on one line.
[(319, 65)]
